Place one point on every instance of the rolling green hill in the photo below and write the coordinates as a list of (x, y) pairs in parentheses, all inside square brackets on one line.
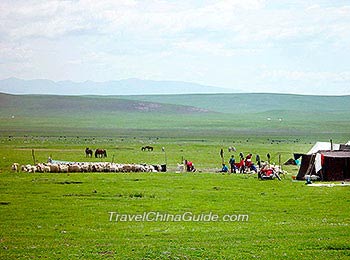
[(200, 103), (174, 115), (52, 105), (255, 103)]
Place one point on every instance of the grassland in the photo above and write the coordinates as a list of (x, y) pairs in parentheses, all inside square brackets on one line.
[(66, 216), (200, 116)]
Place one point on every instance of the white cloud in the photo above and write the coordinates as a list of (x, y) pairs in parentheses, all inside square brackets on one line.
[(210, 48), (12, 53), (177, 39), (241, 20)]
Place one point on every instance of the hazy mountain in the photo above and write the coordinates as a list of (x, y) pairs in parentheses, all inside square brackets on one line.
[(118, 87)]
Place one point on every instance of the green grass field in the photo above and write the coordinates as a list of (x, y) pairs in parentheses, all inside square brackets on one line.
[(66, 216)]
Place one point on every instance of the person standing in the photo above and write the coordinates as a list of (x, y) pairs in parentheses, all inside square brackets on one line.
[(232, 164), (258, 160), (241, 165), (248, 160)]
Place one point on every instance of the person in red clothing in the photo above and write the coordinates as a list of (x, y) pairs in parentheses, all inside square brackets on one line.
[(248, 160), (267, 171), (189, 166), (241, 166)]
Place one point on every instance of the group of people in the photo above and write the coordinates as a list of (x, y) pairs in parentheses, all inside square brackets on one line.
[(244, 164)]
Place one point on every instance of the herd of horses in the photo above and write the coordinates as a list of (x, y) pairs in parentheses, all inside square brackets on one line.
[(99, 153), (102, 153), (147, 148)]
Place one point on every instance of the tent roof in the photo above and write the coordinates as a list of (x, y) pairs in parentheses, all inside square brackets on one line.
[(348, 143), (323, 146), (336, 154)]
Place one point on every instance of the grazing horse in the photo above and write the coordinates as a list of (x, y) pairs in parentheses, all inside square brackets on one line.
[(100, 153), (148, 148), (88, 152)]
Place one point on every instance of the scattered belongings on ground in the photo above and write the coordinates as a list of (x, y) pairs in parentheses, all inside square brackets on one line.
[(329, 184), (269, 172)]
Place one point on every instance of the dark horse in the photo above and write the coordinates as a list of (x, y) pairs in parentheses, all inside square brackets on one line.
[(148, 148), (100, 153), (88, 152)]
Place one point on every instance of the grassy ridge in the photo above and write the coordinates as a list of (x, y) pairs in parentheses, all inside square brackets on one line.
[(310, 116), (255, 103)]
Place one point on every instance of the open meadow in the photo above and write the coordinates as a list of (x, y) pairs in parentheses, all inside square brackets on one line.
[(124, 215)]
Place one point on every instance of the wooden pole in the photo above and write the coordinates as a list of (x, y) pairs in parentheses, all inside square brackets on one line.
[(279, 160), (33, 155), (331, 145), (222, 155)]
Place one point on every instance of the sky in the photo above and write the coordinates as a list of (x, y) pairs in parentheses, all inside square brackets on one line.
[(294, 46)]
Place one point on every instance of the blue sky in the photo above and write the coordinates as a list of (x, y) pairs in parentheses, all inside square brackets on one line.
[(252, 45)]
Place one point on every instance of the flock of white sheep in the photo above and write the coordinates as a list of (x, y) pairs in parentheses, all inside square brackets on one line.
[(85, 167)]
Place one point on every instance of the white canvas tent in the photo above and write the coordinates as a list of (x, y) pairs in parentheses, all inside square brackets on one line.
[(323, 146), (332, 159)]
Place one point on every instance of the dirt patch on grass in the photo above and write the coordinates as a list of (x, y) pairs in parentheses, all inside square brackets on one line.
[(123, 148), (77, 195), (69, 182), (48, 149), (106, 253)]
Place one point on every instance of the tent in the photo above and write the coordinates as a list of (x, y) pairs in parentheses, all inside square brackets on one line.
[(327, 164), (290, 161), (345, 146), (323, 146)]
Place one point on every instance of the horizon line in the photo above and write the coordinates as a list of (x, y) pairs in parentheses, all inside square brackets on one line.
[(173, 94), (225, 90)]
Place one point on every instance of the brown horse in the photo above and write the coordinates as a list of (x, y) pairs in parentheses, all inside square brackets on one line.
[(88, 152), (100, 153)]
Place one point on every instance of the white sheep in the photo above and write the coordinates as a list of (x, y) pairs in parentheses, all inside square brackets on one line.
[(15, 167), (63, 167), (23, 168), (42, 167), (28, 168), (85, 167), (127, 168), (33, 169), (112, 167), (74, 168), (96, 167), (150, 168), (54, 167)]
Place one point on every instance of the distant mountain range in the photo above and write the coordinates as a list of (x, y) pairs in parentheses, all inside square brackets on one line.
[(117, 87)]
